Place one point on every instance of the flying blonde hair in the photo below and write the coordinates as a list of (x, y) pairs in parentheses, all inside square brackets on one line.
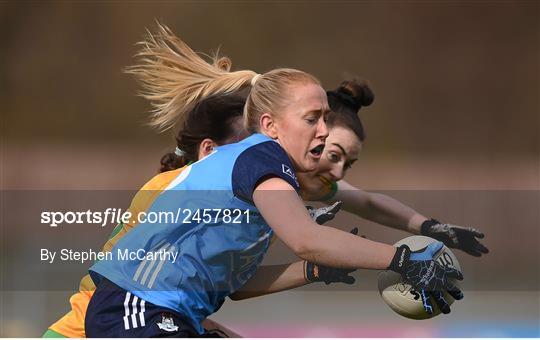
[(174, 78)]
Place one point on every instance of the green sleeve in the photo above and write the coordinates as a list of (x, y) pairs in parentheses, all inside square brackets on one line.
[(52, 334), (332, 193), (116, 230)]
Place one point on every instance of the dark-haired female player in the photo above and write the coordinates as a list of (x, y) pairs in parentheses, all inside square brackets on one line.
[(346, 135)]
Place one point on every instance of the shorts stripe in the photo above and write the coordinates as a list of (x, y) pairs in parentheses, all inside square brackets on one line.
[(134, 311), (141, 314), (126, 310), (133, 314)]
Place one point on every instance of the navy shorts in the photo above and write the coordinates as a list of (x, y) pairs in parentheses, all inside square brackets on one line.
[(114, 312)]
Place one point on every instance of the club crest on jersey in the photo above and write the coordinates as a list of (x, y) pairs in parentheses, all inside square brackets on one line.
[(287, 171), (167, 323)]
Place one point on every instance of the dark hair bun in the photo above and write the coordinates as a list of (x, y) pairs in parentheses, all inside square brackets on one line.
[(355, 93), (170, 161)]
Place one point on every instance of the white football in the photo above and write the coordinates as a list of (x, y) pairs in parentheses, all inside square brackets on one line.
[(400, 296)]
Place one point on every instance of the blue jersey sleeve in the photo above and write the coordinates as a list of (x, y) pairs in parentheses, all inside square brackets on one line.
[(258, 163)]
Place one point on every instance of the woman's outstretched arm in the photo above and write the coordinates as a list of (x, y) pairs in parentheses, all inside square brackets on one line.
[(379, 208), (284, 211), (272, 279), (388, 211)]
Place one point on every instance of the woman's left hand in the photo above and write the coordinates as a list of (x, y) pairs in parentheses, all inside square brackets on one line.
[(324, 214), (454, 236)]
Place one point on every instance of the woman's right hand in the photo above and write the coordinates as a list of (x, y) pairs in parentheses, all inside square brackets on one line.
[(419, 269), (324, 214)]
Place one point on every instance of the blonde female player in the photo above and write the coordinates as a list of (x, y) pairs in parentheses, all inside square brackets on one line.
[(212, 122), (285, 111)]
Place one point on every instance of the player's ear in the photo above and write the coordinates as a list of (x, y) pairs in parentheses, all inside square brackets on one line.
[(268, 125), (206, 147)]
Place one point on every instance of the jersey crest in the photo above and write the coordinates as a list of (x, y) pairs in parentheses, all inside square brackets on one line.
[(167, 323)]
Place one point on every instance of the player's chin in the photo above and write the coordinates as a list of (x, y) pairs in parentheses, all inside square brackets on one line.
[(311, 162)]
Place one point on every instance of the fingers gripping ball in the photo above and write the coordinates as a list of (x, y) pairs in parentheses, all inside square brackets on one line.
[(400, 296)]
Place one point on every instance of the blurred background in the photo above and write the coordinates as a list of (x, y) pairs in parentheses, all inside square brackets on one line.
[(453, 131)]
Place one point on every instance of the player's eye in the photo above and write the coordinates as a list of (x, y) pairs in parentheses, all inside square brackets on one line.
[(311, 120), (334, 157)]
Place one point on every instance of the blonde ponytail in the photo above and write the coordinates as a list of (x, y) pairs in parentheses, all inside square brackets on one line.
[(174, 77)]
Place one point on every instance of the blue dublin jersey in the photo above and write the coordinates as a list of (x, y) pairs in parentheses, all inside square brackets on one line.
[(203, 237)]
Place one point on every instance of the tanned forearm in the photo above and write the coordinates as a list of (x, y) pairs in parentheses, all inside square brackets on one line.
[(352, 252), (272, 279), (379, 208), (285, 213)]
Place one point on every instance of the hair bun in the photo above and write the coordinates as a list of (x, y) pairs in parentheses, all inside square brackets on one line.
[(170, 161), (358, 91)]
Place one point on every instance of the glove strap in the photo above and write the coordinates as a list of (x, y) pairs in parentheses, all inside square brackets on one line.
[(426, 226), (311, 272), (403, 253)]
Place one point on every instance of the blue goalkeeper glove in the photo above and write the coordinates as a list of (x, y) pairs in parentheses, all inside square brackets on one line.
[(453, 236), (428, 277)]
